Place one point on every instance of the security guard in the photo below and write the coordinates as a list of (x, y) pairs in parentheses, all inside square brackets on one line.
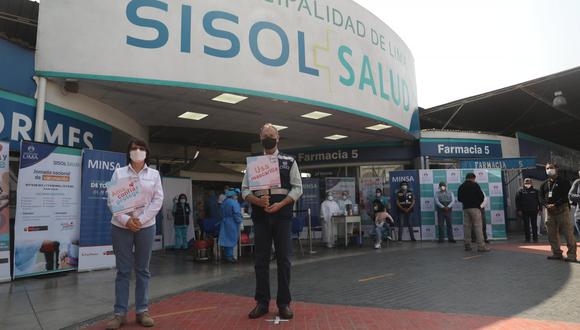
[(272, 216), (405, 204)]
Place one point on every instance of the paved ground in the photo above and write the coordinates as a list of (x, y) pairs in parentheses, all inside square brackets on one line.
[(422, 285)]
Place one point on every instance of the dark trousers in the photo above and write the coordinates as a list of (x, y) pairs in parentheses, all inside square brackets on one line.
[(444, 220), (483, 227), (530, 218), (405, 218), (277, 229)]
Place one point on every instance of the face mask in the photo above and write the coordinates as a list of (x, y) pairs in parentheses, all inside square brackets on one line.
[(376, 208), (182, 201), (344, 197), (378, 194), (138, 155), (330, 198), (404, 187), (551, 172), (528, 186), (269, 143), (443, 188)]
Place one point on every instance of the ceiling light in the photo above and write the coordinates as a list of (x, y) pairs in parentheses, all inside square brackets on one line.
[(229, 98), (336, 137), (559, 100), (378, 127), (192, 115), (316, 115), (280, 127)]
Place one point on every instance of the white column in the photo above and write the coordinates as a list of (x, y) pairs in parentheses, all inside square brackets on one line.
[(40, 102)]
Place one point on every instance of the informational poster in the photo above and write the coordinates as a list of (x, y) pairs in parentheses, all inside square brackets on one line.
[(172, 188), (341, 188), (263, 172), (490, 182), (310, 199), (412, 178), (4, 213), (46, 232), (96, 249)]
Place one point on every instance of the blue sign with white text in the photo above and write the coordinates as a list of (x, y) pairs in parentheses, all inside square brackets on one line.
[(503, 163), (458, 148), (310, 198), (98, 168), (62, 127)]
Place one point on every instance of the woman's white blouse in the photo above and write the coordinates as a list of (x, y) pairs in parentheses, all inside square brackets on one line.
[(150, 186)]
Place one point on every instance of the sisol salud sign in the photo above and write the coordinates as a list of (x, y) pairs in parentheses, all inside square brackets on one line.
[(329, 53)]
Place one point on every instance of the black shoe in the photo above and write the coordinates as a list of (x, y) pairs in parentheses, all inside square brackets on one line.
[(468, 248), (555, 257), (258, 311), (527, 240), (487, 241), (472, 241), (285, 313), (568, 259), (452, 241), (413, 240), (440, 241)]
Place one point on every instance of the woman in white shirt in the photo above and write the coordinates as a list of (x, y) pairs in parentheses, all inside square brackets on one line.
[(133, 237)]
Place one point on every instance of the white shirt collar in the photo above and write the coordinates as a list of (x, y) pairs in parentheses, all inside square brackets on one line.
[(275, 152), (145, 167)]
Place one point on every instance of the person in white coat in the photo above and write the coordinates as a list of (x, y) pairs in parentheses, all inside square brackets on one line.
[(328, 208)]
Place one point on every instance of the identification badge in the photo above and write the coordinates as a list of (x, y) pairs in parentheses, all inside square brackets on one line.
[(549, 194)]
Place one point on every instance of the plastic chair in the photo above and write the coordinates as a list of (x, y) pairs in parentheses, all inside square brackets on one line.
[(297, 227)]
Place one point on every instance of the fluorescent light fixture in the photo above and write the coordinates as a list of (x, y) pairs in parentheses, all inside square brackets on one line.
[(378, 127), (192, 115), (229, 98), (316, 115), (280, 127), (336, 137), (305, 175)]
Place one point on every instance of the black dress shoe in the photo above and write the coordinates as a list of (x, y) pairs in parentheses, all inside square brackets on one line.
[(452, 241), (258, 311), (285, 313), (555, 257)]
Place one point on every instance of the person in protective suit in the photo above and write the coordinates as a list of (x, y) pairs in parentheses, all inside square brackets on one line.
[(230, 224), (328, 208)]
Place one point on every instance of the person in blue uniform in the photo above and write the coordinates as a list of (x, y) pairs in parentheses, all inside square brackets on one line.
[(272, 217), (405, 204), (230, 224), (181, 212)]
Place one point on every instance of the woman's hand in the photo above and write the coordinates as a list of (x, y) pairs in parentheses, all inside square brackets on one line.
[(134, 224)]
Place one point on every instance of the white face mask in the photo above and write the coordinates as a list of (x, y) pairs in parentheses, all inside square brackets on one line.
[(551, 172), (443, 188), (138, 155), (528, 186), (404, 188), (330, 198), (378, 194), (344, 197), (182, 201)]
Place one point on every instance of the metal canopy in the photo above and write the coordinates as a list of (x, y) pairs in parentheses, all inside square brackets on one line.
[(525, 107)]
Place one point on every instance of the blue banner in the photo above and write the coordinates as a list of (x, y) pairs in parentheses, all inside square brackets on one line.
[(412, 178), (310, 196), (62, 126), (354, 154), (460, 148), (95, 227), (503, 163)]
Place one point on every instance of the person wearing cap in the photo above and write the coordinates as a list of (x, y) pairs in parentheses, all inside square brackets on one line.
[(272, 216), (405, 203), (471, 196), (329, 208), (444, 200), (230, 224), (554, 197), (528, 206)]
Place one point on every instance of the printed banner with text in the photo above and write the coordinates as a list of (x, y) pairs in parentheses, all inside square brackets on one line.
[(96, 249), (4, 213), (46, 231)]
